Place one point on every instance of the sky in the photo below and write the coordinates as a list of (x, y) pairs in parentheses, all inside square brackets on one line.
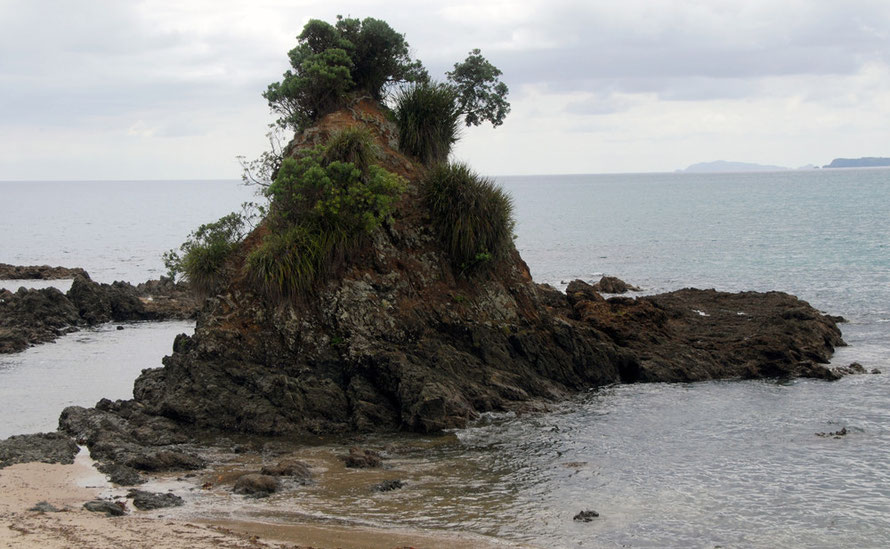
[(157, 89)]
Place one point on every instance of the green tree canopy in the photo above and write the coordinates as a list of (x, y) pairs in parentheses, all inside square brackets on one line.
[(365, 56), (481, 96)]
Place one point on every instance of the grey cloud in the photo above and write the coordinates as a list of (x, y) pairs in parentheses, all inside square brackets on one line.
[(664, 46)]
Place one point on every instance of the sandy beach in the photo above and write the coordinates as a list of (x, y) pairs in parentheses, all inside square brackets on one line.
[(68, 487)]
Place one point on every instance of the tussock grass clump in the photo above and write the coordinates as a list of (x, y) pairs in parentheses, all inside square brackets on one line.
[(289, 263), (428, 119), (354, 144), (472, 215)]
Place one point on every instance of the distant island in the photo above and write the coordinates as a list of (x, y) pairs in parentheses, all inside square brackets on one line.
[(725, 166), (864, 162)]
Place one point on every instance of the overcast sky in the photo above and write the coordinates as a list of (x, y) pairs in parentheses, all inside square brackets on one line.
[(157, 89)]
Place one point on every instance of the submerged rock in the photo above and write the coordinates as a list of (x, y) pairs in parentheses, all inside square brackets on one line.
[(585, 516), (362, 459), (835, 434), (388, 485)]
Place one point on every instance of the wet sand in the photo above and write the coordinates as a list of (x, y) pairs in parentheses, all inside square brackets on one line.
[(67, 487)]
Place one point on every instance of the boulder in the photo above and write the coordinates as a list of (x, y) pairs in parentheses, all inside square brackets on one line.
[(110, 508), (613, 285), (147, 501), (256, 484)]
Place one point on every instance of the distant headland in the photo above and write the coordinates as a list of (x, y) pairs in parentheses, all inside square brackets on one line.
[(722, 166), (864, 162)]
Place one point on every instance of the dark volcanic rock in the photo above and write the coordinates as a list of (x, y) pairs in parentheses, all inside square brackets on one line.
[(834, 434), (97, 303), (110, 508), (38, 272), (42, 447), (693, 335), (146, 501), (388, 485), (121, 475), (256, 484), (397, 337), (852, 369), (29, 316), (613, 285), (120, 433), (585, 516)]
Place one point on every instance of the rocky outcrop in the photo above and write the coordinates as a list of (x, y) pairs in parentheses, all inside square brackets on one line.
[(399, 338), (29, 317), (695, 335), (32, 316), (614, 285), (42, 447), (39, 272)]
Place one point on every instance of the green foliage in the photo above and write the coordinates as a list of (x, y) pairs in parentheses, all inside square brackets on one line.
[(427, 116), (330, 61), (481, 96), (289, 263), (322, 205), (201, 258), (472, 215), (354, 144)]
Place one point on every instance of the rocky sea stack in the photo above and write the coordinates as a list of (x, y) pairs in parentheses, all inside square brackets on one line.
[(398, 335)]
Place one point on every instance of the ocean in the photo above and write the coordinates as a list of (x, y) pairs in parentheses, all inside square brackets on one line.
[(729, 464)]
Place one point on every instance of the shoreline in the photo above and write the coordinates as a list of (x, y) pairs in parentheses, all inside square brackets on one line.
[(68, 487)]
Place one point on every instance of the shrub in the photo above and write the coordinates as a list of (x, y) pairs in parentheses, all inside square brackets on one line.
[(321, 208), (472, 215), (201, 258), (428, 119)]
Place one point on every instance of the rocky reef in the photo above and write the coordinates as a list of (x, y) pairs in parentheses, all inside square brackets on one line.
[(32, 316), (399, 338)]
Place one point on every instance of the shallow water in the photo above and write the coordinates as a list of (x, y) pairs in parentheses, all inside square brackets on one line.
[(79, 369), (734, 464)]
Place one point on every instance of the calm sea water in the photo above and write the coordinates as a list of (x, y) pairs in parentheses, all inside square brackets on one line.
[(731, 464)]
